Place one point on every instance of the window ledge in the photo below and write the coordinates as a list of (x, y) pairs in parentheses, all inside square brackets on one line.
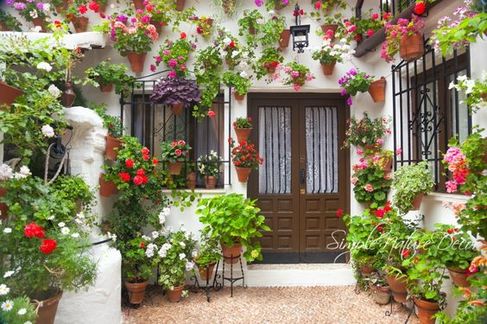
[(445, 197)]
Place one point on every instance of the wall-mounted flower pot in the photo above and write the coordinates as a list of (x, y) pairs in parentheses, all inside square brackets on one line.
[(242, 134), (459, 277), (411, 47), (3, 206), (112, 146), (381, 294), (175, 168), (243, 174), (398, 288), (138, 4), (174, 295), (107, 188), (80, 24), (177, 108), (416, 203), (180, 5), (191, 180), (8, 94), (136, 61), (239, 97), (284, 40), (136, 291), (210, 182), (327, 27), (232, 253), (328, 68), (206, 272), (106, 88), (426, 310), (47, 310), (377, 90)]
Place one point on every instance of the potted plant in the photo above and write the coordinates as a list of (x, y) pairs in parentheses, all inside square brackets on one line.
[(208, 254), (235, 222), (250, 24), (377, 90), (353, 82), (243, 128), (8, 22), (174, 260), (329, 54), (137, 268), (175, 153), (240, 81), (209, 167), (245, 158), (268, 62), (36, 12), (297, 75), (176, 92), (404, 38), (106, 75), (175, 55), (133, 37), (367, 133), (115, 131), (410, 184)]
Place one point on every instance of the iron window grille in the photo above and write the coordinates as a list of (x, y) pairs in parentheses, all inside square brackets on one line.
[(426, 113), (155, 123)]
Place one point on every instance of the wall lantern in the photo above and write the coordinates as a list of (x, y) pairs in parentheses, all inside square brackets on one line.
[(300, 32)]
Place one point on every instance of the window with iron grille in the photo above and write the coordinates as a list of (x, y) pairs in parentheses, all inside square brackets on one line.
[(154, 124), (426, 112)]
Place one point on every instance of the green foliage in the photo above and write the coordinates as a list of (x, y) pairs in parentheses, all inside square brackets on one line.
[(232, 218), (239, 81), (410, 181), (106, 73)]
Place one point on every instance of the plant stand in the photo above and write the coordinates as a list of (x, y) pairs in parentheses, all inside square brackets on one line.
[(233, 279), (216, 286)]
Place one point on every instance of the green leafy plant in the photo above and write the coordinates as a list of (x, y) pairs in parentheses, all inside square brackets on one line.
[(232, 218), (209, 164), (240, 81), (410, 181), (106, 73)]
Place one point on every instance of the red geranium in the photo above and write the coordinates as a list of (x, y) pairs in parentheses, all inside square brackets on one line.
[(33, 230), (48, 246)]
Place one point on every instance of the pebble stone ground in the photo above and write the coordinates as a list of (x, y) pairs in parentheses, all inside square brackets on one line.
[(324, 305)]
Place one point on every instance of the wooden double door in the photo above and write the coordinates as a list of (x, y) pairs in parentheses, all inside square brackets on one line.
[(305, 175)]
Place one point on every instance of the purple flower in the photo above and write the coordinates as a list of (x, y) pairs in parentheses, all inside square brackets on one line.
[(349, 101), (19, 6), (259, 3)]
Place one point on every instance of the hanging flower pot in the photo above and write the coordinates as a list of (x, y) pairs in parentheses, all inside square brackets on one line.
[(175, 168), (243, 174), (398, 288), (174, 295), (80, 24), (206, 272), (112, 146), (136, 61), (107, 188), (191, 180), (459, 277), (47, 310), (3, 206), (426, 310), (68, 96), (242, 134), (381, 294), (417, 201), (177, 108), (138, 4), (411, 47), (377, 90), (284, 40), (239, 97), (232, 253), (136, 291), (210, 182), (326, 27), (106, 88), (328, 68), (180, 5), (8, 94)]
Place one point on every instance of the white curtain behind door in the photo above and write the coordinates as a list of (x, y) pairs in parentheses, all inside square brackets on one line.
[(321, 150)]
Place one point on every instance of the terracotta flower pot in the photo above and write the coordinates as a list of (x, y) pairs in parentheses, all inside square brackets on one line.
[(112, 146), (284, 40), (136, 291), (232, 253), (174, 295), (398, 288), (107, 188), (180, 5), (381, 294), (177, 109), (8, 94), (332, 27), (426, 310), (48, 309), (242, 133), (80, 24), (377, 90), (411, 47), (106, 88), (243, 174), (136, 61), (39, 22), (191, 180), (210, 182), (3, 206), (175, 168), (459, 277), (138, 4), (328, 68), (417, 202), (206, 272), (238, 97)]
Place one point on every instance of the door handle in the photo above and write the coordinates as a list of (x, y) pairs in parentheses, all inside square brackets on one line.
[(302, 176)]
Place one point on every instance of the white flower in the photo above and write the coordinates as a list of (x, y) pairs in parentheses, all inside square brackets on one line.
[(22, 311), (7, 230), (65, 230), (182, 256), (6, 172), (33, 14), (8, 274), (4, 290), (7, 305), (44, 66), (189, 265), (47, 131), (54, 91), (61, 224), (155, 234), (75, 235)]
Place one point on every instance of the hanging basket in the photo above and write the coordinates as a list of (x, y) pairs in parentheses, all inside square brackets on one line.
[(136, 291), (47, 309), (8, 94), (411, 47), (136, 61), (284, 40), (243, 174), (328, 68), (377, 90), (175, 168), (80, 24), (112, 146), (177, 109)]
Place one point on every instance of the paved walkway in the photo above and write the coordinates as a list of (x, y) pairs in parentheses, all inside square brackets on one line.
[(333, 305)]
